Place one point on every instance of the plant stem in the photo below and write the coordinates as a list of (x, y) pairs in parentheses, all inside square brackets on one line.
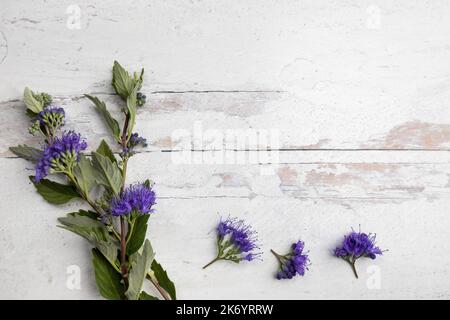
[(210, 263), (123, 248), (124, 174), (124, 137), (123, 143), (130, 230), (352, 264), (163, 292), (123, 240), (276, 254)]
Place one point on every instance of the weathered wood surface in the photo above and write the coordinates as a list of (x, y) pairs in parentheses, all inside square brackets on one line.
[(356, 92)]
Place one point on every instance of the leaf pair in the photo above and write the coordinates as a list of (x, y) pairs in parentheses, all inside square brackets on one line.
[(123, 83), (109, 280)]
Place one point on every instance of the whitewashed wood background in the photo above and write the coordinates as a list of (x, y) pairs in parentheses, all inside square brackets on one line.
[(359, 91)]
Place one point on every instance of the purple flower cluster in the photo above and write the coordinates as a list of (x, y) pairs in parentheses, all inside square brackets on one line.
[(293, 263), (139, 198), (52, 116), (135, 140), (60, 155), (241, 237), (358, 244)]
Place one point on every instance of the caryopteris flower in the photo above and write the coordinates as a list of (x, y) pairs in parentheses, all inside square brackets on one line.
[(293, 263), (139, 198), (61, 155), (357, 245), (52, 117), (236, 241), (48, 121), (134, 141)]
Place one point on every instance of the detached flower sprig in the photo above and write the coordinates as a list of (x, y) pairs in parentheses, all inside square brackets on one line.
[(357, 245), (116, 223), (294, 262), (236, 242)]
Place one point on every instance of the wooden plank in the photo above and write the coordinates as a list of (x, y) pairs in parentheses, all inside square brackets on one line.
[(405, 204), (352, 51), (202, 121)]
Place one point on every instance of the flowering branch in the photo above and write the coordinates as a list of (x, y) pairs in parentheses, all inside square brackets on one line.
[(122, 260), (293, 263)]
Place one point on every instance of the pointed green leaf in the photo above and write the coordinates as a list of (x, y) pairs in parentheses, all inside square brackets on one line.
[(138, 234), (122, 81), (86, 224), (138, 81), (131, 106), (163, 279), (31, 102), (106, 151), (55, 192), (107, 173), (27, 153), (107, 278), (145, 296), (84, 172), (140, 266), (110, 121), (88, 213)]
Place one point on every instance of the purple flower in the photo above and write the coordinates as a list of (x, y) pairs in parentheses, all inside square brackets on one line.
[(134, 141), (60, 155), (52, 116), (293, 263), (357, 245), (236, 241), (139, 198)]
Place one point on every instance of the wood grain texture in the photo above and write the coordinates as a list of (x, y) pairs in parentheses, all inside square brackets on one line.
[(357, 92)]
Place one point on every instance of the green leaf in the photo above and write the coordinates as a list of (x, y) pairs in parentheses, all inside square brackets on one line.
[(108, 174), (145, 296), (131, 106), (27, 153), (85, 174), (107, 278), (138, 234), (122, 81), (88, 213), (140, 266), (55, 192), (110, 121), (106, 151), (163, 279), (138, 81), (86, 225), (31, 102)]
